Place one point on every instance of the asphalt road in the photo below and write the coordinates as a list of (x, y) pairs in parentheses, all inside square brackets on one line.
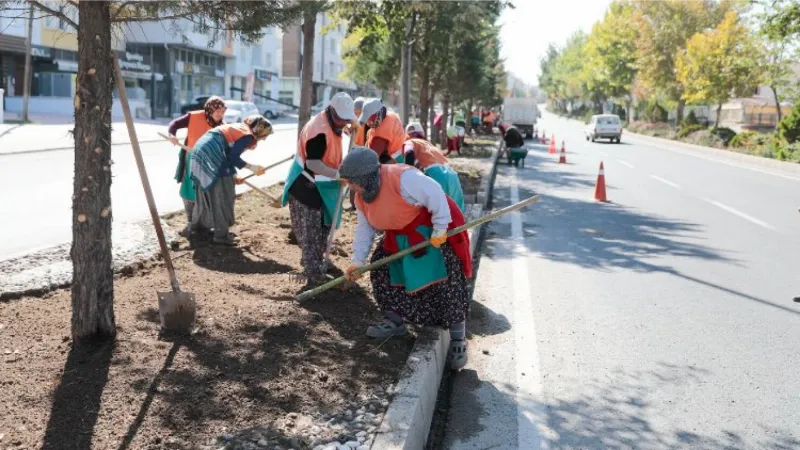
[(661, 320), (36, 200)]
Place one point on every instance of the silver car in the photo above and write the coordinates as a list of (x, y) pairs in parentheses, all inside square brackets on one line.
[(604, 126)]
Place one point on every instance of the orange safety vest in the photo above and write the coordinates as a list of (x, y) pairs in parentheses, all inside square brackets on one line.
[(389, 211), (319, 125), (391, 129), (426, 153), (361, 136), (198, 125), (235, 131)]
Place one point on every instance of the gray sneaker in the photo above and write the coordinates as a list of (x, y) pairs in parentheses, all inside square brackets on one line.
[(386, 329), (457, 355)]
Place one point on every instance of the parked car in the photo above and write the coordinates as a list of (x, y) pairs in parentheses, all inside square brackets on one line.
[(197, 103), (604, 126), (316, 109), (238, 110), (272, 109)]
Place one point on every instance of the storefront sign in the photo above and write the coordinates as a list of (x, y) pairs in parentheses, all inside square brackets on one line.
[(66, 66), (42, 52), (264, 75), (133, 61)]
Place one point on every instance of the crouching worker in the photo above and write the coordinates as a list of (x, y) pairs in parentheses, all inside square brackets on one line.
[(515, 144), (216, 157), (426, 157), (386, 133), (312, 188), (429, 287)]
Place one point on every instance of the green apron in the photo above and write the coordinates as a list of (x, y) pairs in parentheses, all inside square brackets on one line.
[(328, 190), (516, 154), (415, 273), (448, 180), (187, 185)]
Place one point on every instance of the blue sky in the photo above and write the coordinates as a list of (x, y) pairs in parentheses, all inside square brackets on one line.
[(533, 24)]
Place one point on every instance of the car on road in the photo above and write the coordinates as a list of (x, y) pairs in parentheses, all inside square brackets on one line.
[(238, 110), (272, 109), (604, 126), (197, 104)]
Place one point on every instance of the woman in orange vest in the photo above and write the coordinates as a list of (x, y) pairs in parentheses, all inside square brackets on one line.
[(428, 287), (312, 186), (361, 129), (216, 157), (386, 133), (197, 123)]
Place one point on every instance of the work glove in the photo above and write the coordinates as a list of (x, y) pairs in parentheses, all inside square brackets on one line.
[(238, 180), (350, 273), (438, 238), (174, 140), (256, 169)]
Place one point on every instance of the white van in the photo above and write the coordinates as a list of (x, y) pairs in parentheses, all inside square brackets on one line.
[(604, 126)]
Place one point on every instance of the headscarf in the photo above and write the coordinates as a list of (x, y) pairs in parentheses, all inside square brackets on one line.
[(379, 116), (361, 167), (259, 125), (213, 103)]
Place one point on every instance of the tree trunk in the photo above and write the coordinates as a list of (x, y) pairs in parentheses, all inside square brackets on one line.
[(93, 274), (306, 83), (26, 90), (445, 114), (432, 114), (681, 106), (778, 106), (716, 120), (424, 100)]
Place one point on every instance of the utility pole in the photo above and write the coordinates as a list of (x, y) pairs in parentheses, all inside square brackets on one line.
[(26, 95)]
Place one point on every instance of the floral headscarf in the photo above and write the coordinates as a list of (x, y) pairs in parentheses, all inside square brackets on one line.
[(260, 126), (213, 103)]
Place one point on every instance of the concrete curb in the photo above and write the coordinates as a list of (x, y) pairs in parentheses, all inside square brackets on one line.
[(58, 149), (408, 419)]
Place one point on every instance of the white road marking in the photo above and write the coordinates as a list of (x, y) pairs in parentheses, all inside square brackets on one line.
[(604, 154), (744, 216), (626, 163), (529, 380), (665, 181), (730, 163)]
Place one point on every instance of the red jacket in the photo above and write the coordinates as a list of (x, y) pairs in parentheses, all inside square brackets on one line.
[(459, 242)]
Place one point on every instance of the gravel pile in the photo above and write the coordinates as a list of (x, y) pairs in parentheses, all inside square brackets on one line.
[(51, 268), (353, 428)]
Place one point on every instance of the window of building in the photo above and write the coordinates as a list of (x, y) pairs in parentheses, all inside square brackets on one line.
[(257, 55), (331, 70), (333, 46), (268, 62)]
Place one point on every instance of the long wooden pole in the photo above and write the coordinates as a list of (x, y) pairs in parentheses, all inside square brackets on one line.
[(489, 217)]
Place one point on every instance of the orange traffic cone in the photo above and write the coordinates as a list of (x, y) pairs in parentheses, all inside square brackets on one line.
[(552, 148), (600, 187), (562, 159)]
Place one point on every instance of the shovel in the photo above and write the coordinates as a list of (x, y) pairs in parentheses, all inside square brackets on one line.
[(177, 309), (276, 202), (382, 262)]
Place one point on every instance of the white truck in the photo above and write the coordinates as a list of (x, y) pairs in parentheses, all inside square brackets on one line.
[(522, 113)]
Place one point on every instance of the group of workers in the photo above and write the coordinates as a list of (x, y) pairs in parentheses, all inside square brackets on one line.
[(402, 188)]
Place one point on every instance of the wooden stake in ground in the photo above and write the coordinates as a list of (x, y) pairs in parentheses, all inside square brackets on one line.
[(177, 309), (489, 217)]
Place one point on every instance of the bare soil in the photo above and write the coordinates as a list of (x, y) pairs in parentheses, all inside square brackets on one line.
[(257, 356)]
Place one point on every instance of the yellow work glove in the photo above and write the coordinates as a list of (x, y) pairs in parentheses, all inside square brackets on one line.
[(438, 239)]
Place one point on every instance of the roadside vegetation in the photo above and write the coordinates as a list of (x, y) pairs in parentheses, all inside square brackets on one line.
[(645, 59)]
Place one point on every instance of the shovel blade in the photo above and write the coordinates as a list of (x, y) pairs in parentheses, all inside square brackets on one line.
[(177, 311)]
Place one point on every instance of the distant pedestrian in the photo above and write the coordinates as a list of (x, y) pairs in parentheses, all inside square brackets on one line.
[(428, 287), (386, 135), (196, 123), (515, 143), (217, 156)]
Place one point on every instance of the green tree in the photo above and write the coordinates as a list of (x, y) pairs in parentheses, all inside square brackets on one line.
[(568, 71), (782, 19), (719, 63), (665, 27), (610, 51), (93, 278)]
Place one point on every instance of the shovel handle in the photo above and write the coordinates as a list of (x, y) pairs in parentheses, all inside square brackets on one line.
[(148, 192)]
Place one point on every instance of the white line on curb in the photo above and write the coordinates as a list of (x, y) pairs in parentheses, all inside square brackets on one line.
[(665, 181), (741, 214), (529, 384), (626, 163)]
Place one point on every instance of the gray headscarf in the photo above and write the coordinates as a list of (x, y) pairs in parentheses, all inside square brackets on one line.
[(361, 167)]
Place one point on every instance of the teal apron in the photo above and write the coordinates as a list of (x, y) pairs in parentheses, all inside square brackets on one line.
[(328, 190), (415, 273), (516, 154), (187, 185), (448, 180)]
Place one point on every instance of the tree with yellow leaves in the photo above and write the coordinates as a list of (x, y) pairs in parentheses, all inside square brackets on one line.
[(719, 63)]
